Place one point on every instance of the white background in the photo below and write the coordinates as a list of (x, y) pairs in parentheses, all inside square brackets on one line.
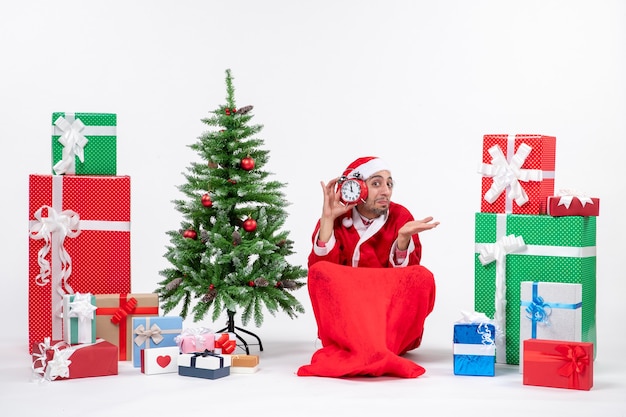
[(415, 82)]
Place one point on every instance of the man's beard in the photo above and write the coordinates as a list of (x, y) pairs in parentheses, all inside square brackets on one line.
[(380, 211)]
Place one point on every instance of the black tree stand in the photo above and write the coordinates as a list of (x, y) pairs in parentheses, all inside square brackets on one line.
[(230, 328)]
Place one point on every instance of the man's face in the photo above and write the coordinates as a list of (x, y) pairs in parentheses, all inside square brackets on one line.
[(379, 189)]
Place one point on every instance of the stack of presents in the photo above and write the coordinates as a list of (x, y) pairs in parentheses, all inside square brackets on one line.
[(535, 271), (83, 317)]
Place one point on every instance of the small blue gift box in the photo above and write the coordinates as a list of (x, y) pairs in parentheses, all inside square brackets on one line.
[(206, 365), (150, 332), (474, 349)]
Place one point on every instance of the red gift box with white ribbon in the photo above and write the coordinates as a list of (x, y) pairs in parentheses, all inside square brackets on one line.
[(572, 203), (79, 230), (518, 173), (57, 360)]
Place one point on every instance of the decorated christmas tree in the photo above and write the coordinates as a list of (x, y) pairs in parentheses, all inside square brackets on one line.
[(230, 254)]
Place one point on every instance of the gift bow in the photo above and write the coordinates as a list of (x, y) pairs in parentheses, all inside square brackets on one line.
[(199, 336), (225, 343), (576, 361), (124, 311), (81, 307), (143, 334), (538, 310), (59, 365), (568, 195), (56, 226), (509, 174), (73, 142)]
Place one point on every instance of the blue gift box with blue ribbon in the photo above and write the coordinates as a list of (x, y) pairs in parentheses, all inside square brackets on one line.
[(550, 311), (474, 349)]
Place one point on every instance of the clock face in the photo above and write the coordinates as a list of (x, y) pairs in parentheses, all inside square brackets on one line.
[(350, 191)]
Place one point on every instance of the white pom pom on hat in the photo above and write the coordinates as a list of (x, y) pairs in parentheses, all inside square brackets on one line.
[(363, 168)]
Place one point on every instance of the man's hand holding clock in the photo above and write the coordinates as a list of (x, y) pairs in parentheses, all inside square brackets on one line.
[(333, 207)]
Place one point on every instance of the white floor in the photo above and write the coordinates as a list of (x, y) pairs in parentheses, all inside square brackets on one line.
[(276, 390)]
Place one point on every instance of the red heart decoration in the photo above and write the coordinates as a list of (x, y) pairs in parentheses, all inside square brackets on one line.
[(163, 361)]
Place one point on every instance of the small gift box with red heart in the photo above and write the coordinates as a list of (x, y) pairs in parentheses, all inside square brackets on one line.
[(159, 360), (225, 343), (193, 340), (206, 365), (558, 364)]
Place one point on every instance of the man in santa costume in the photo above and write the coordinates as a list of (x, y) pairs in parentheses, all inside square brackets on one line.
[(369, 293), (374, 232)]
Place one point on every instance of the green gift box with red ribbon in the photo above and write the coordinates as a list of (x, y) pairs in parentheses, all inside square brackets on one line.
[(511, 248), (84, 143), (114, 315)]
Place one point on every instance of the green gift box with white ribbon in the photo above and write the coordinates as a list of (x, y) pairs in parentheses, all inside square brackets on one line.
[(79, 318), (511, 248), (84, 143)]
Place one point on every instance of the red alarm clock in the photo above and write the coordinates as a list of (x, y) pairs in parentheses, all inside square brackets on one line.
[(352, 190)]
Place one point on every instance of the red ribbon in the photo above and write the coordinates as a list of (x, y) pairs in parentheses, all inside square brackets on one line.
[(225, 343), (576, 361), (120, 316), (124, 311)]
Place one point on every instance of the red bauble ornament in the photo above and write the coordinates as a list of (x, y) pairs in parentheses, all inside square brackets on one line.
[(247, 163), (232, 181), (190, 234), (211, 286), (251, 283), (206, 200), (249, 225)]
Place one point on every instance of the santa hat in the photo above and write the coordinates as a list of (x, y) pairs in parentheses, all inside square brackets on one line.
[(363, 168)]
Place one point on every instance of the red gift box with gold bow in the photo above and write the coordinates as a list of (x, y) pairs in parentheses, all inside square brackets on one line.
[(558, 364), (79, 229), (114, 313)]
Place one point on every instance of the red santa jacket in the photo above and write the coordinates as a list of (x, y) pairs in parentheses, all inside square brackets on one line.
[(375, 251)]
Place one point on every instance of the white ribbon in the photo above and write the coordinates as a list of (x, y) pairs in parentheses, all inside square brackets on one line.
[(199, 335), (482, 320), (81, 308), (73, 142), (60, 266), (59, 365), (507, 175), (568, 195), (497, 252), (53, 229)]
